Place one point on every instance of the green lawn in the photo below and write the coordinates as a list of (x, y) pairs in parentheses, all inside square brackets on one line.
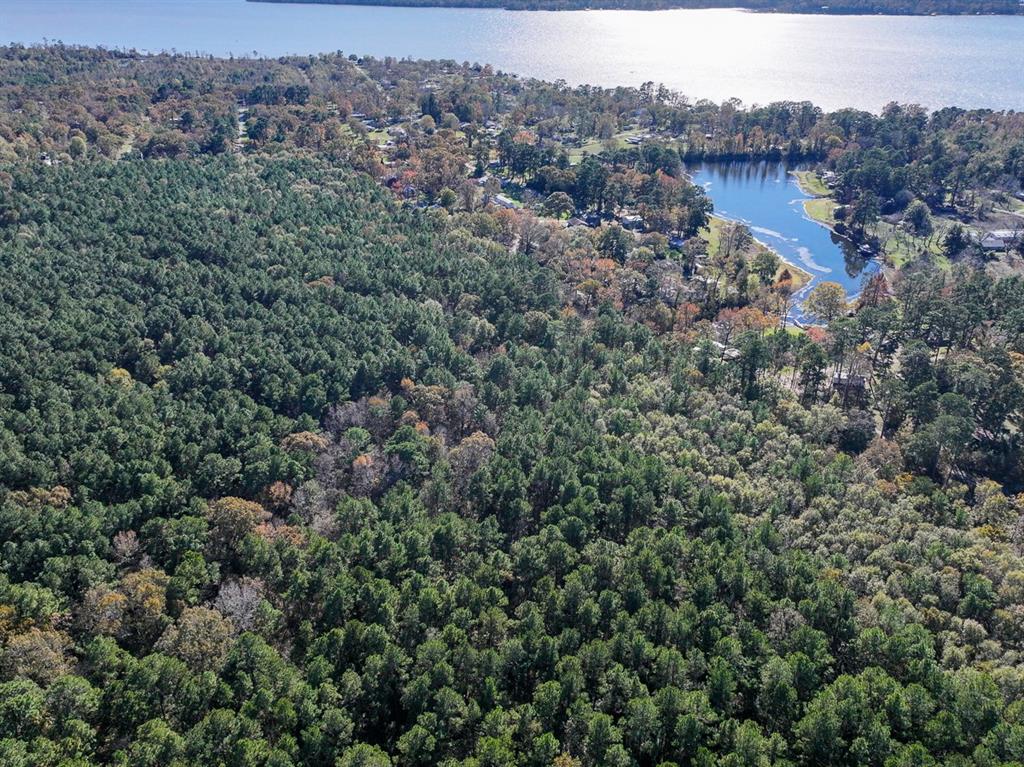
[(821, 210), (821, 207), (811, 184), (711, 234), (576, 154), (900, 248)]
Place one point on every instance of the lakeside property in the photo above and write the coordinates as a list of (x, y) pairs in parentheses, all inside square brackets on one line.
[(861, 62), (766, 197), (595, 178), (899, 237), (713, 235)]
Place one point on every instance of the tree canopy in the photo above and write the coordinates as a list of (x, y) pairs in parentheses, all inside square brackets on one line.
[(295, 471)]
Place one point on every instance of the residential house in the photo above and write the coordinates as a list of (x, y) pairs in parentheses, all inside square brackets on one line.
[(1001, 239), (852, 388), (631, 221), (503, 201)]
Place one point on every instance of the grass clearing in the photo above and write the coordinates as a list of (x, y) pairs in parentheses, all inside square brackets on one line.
[(712, 234), (821, 209), (900, 247), (596, 146), (811, 184)]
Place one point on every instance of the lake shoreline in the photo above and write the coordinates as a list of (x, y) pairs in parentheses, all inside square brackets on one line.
[(888, 270), (804, 184), (801, 277), (816, 195), (911, 59), (769, 198)]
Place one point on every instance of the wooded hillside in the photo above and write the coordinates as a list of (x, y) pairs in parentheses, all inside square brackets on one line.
[(295, 472)]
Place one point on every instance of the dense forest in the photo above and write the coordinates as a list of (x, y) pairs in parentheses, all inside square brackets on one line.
[(888, 7), (297, 468)]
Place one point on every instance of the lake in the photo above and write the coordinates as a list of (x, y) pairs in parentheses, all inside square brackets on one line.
[(767, 197), (834, 61)]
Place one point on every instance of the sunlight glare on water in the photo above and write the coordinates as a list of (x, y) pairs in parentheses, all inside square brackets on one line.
[(834, 61)]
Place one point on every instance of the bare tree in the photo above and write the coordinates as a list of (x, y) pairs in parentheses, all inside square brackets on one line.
[(239, 600)]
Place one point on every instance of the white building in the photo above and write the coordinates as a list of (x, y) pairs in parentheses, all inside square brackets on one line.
[(503, 201)]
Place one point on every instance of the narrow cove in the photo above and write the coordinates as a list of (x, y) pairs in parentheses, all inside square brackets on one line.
[(767, 197)]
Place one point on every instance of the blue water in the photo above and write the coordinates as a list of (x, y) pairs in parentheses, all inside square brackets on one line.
[(834, 61), (768, 199)]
